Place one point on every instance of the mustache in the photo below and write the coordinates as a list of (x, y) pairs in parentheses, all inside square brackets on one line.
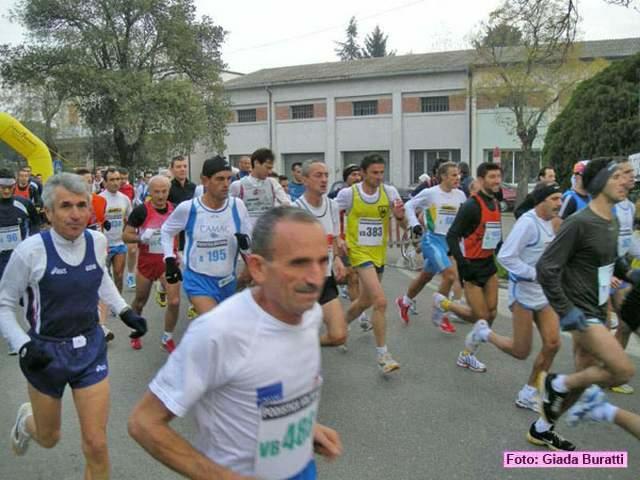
[(308, 288)]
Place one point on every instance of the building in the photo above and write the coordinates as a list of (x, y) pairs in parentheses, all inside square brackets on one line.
[(411, 109)]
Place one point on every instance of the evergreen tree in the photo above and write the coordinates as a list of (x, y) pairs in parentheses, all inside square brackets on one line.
[(375, 44), (349, 49)]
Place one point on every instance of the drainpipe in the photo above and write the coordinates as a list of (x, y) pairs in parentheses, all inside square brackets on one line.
[(470, 109), (270, 116)]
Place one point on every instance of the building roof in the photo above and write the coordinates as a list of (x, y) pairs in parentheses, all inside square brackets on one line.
[(451, 61)]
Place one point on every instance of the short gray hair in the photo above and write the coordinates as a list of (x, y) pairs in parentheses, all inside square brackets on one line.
[(70, 182), (306, 166), (262, 236), (160, 178)]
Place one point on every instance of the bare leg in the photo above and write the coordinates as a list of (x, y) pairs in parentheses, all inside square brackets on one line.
[(334, 320), (549, 328), (143, 290), (173, 305), (418, 283), (371, 294), (132, 257), (203, 304), (117, 267), (628, 421), (44, 424)]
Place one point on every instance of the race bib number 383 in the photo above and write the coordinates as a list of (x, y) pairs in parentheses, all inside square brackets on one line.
[(370, 232)]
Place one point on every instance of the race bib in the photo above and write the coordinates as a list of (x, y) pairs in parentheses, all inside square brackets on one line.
[(445, 215), (604, 283), (155, 243), (285, 436), (212, 257), (370, 232), (492, 235), (624, 241), (115, 219), (10, 237)]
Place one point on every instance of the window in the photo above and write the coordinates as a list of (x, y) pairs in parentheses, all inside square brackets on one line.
[(356, 157), (511, 162), (289, 159), (247, 115), (301, 111), (424, 161), (435, 104), (369, 107)]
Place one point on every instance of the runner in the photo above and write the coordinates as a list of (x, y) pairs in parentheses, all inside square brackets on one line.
[(132, 248), (296, 185), (143, 227), (369, 206), (316, 182), (440, 205), (521, 250), (27, 189), (217, 227), (575, 273), (478, 225), (255, 401), (63, 271), (118, 209), (577, 197)]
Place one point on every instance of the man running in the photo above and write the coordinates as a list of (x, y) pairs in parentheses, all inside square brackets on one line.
[(63, 270), (577, 197), (132, 249), (254, 384), (296, 185), (369, 206), (216, 229), (118, 210), (440, 205), (519, 254), (315, 201), (478, 225), (575, 273), (144, 227), (25, 188)]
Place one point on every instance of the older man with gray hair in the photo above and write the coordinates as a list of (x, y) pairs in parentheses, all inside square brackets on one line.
[(63, 274)]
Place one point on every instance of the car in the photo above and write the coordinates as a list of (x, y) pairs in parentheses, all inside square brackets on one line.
[(508, 200)]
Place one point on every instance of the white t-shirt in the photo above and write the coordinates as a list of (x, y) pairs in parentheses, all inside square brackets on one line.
[(231, 360), (625, 212), (328, 215), (117, 212), (345, 196), (259, 195), (440, 208)]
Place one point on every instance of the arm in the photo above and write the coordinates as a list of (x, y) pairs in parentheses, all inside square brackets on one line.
[(14, 282), (466, 221), (345, 199), (175, 224), (419, 202), (551, 265), (149, 426), (135, 221), (523, 233), (397, 205), (281, 195), (130, 235)]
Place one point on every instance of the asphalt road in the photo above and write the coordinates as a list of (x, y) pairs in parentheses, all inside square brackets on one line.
[(430, 420)]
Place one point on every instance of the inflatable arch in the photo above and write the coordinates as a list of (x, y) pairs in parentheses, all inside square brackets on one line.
[(34, 150)]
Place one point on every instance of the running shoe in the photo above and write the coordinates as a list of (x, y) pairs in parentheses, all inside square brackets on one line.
[(387, 364), (474, 338), (446, 326), (136, 343), (161, 298), (403, 310), (413, 309), (583, 409), (108, 334), (344, 292), (470, 361), (528, 398), (19, 437), (191, 313), (624, 388), (549, 439), (365, 323), (550, 400), (131, 281), (168, 345)]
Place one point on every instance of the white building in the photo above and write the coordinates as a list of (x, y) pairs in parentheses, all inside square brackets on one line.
[(410, 109)]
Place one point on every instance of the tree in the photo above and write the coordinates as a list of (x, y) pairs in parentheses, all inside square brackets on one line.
[(501, 35), (375, 44), (349, 49), (136, 69), (602, 118), (529, 79)]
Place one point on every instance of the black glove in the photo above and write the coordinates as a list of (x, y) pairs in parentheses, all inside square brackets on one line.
[(134, 321), (32, 358), (244, 242), (106, 225), (417, 230), (172, 272)]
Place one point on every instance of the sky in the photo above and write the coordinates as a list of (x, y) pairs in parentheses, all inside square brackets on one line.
[(276, 33)]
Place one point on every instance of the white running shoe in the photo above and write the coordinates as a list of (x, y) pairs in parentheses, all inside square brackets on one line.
[(19, 437), (528, 398), (413, 309), (365, 323), (587, 407), (131, 281), (387, 364), (344, 293), (474, 338), (471, 362)]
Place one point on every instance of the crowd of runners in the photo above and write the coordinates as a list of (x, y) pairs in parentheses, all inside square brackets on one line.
[(260, 257)]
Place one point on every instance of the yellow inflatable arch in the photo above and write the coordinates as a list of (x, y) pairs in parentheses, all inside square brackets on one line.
[(34, 150)]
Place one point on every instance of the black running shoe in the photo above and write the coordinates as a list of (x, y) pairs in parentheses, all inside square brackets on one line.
[(549, 439), (551, 400)]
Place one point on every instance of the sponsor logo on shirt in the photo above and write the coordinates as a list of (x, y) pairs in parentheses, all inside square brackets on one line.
[(88, 268), (58, 271), (101, 368), (269, 393)]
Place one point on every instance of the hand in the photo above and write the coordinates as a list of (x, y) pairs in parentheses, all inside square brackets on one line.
[(147, 234), (417, 230), (134, 321), (172, 271), (106, 225), (339, 270), (615, 283), (33, 358), (574, 320), (326, 442), (341, 247), (244, 242), (398, 208)]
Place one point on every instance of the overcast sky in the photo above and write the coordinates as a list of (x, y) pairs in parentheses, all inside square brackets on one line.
[(276, 33)]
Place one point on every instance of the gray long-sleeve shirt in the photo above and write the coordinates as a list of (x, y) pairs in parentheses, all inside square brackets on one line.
[(574, 267)]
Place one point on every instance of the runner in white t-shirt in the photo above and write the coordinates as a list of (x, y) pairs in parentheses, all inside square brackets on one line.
[(314, 200), (116, 214), (250, 369)]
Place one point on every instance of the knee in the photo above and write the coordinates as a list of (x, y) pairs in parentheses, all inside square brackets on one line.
[(49, 440), (95, 446), (449, 275), (551, 345), (623, 372), (338, 339), (380, 303), (521, 353), (174, 302)]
